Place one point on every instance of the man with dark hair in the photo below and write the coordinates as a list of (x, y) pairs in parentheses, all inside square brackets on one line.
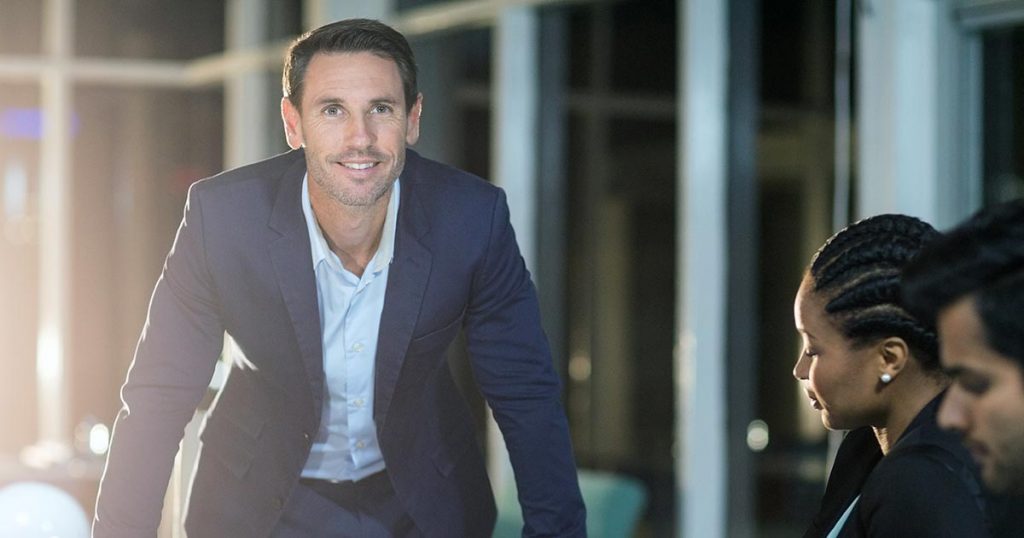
[(342, 270), (971, 282)]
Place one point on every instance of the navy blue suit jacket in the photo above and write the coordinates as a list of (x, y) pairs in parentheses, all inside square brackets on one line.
[(241, 264)]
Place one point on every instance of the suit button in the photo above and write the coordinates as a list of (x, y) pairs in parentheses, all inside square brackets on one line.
[(305, 436), (278, 503)]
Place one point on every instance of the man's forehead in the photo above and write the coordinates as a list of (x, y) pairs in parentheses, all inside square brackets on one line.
[(324, 56), (331, 77)]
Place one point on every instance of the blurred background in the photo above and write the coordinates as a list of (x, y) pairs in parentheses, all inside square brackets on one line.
[(671, 166)]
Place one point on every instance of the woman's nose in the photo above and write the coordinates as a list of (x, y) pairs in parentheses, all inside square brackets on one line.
[(800, 368)]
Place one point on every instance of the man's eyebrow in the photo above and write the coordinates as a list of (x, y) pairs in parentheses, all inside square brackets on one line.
[(954, 371), (332, 100), (385, 101), (328, 99)]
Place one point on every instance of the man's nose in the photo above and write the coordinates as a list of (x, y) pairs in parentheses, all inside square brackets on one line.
[(954, 410), (359, 131)]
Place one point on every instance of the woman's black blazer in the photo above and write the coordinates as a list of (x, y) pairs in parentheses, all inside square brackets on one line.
[(928, 485)]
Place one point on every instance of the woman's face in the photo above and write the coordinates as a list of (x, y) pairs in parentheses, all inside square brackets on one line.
[(840, 379)]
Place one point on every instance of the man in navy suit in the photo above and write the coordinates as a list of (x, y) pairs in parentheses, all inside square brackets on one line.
[(342, 270)]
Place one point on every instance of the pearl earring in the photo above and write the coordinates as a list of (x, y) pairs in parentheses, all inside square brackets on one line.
[(886, 378)]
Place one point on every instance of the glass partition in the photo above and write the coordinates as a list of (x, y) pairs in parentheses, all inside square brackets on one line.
[(148, 29), (1003, 114), (20, 131), (21, 26)]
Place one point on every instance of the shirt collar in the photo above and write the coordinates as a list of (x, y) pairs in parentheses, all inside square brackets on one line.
[(318, 244)]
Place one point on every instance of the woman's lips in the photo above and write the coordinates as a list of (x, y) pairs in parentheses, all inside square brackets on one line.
[(814, 401)]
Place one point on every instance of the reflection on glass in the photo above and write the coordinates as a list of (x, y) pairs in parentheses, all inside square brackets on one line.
[(15, 190), (19, 187), (133, 159), (21, 26), (1003, 109), (150, 29)]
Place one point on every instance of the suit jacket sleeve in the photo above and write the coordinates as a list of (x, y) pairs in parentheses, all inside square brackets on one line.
[(170, 373), (512, 364)]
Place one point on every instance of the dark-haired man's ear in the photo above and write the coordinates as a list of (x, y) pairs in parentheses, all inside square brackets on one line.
[(412, 132), (292, 124), (894, 354)]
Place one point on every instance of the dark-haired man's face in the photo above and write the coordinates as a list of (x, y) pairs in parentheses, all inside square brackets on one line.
[(986, 401), (354, 124)]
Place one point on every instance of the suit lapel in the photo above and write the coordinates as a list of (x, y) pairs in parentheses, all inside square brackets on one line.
[(407, 282), (292, 259)]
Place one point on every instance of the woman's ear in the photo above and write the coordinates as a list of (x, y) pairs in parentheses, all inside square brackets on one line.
[(894, 354)]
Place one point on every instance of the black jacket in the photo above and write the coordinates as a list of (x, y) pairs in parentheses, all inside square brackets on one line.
[(927, 486)]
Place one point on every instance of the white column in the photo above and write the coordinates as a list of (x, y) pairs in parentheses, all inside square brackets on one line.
[(702, 260), (906, 111), (249, 105), (54, 241), (514, 151)]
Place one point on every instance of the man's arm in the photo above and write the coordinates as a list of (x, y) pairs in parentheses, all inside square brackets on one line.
[(170, 373), (512, 363)]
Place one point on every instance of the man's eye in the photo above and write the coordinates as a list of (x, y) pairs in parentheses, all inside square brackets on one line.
[(974, 385), (380, 109), (332, 110)]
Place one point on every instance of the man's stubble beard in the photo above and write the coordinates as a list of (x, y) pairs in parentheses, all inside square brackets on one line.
[(325, 181)]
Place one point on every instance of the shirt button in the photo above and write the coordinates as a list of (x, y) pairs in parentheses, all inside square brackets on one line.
[(357, 348), (359, 402), (360, 444)]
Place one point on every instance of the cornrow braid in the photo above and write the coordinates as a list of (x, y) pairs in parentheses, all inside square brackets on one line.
[(871, 291), (858, 272), (868, 251), (873, 227), (919, 337)]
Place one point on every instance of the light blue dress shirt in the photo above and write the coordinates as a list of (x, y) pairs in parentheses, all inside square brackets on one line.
[(346, 446), (838, 528)]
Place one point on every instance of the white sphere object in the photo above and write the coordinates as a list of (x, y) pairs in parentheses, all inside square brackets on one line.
[(38, 510)]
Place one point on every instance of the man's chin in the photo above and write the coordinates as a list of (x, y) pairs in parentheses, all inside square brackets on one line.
[(361, 198), (1003, 481)]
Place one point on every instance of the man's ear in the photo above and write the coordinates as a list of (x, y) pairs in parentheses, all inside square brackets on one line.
[(292, 124), (893, 354), (412, 131)]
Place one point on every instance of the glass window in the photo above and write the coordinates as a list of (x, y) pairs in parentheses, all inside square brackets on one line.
[(1003, 110), (284, 20), (21, 26), (403, 5), (643, 39), (795, 160), (620, 265), (151, 29), (135, 153), (20, 129)]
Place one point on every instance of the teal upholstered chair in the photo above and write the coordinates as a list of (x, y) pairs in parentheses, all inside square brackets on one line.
[(614, 505)]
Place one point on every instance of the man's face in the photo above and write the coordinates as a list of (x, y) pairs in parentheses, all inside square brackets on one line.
[(354, 124), (986, 401)]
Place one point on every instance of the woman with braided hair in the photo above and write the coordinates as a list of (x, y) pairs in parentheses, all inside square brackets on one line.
[(872, 368)]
